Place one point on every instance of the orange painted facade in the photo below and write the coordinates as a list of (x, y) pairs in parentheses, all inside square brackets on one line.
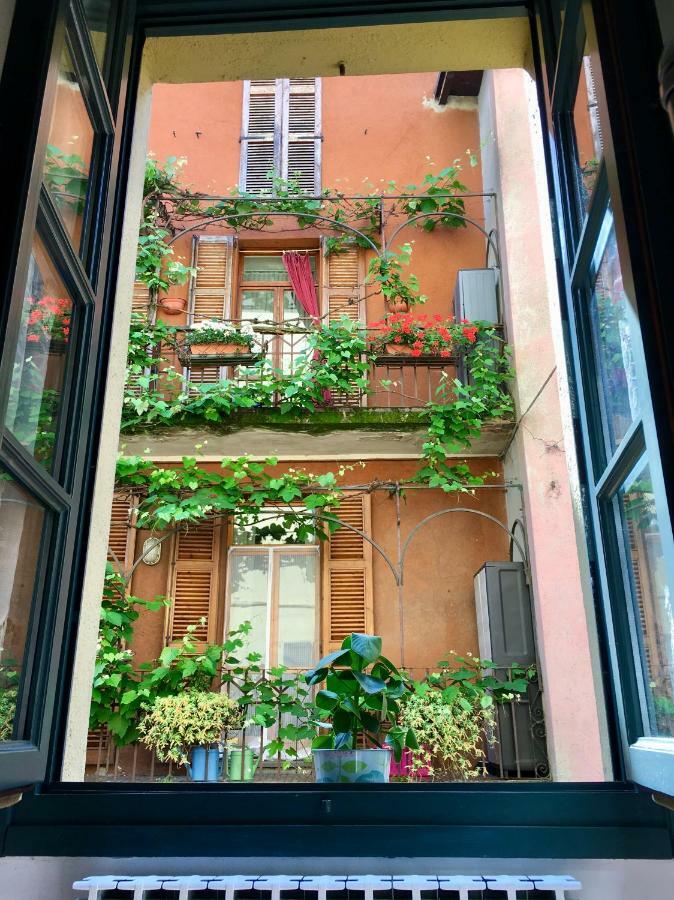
[(363, 148)]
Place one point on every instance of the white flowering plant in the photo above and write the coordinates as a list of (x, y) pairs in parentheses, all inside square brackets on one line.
[(174, 725), (210, 331)]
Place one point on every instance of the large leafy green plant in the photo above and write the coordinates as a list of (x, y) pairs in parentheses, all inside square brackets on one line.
[(362, 695)]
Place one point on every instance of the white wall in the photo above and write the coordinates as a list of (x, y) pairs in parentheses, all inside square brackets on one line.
[(45, 878)]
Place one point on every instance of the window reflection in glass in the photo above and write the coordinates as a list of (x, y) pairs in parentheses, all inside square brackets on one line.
[(611, 323), (97, 15), (36, 390), (589, 141), (69, 150), (21, 521), (652, 598)]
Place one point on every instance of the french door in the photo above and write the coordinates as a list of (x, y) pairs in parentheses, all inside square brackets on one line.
[(276, 590)]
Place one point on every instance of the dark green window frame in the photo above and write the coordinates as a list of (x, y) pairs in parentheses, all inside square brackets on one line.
[(563, 820)]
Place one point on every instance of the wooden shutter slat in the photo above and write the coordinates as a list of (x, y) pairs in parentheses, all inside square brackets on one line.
[(193, 583), (122, 534), (210, 295), (140, 298), (342, 292), (347, 582)]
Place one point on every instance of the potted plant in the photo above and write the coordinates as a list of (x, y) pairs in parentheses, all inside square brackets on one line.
[(361, 699), (187, 728), (173, 306), (210, 340)]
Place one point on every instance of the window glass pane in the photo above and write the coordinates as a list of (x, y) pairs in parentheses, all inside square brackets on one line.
[(249, 596), (589, 142), (652, 598), (297, 609), (263, 268), (97, 14), (612, 328), (36, 390), (69, 150), (268, 267), (257, 305), (21, 522)]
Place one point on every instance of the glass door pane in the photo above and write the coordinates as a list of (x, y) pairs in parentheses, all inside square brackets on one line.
[(297, 619), (293, 345), (248, 593), (651, 597)]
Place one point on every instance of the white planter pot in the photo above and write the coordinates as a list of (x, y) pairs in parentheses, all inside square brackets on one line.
[(352, 766)]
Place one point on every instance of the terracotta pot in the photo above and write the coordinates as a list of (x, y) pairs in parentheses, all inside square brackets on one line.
[(218, 349), (173, 306), (398, 349), (397, 305)]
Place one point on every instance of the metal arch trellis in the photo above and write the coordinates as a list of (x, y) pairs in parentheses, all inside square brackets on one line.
[(396, 568), (491, 236)]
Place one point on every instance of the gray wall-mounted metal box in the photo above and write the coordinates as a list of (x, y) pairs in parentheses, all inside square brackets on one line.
[(475, 295), (506, 637)]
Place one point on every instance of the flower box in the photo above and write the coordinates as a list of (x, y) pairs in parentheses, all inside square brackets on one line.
[(219, 349), (406, 350)]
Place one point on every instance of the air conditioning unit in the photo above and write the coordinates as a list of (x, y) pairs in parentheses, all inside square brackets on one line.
[(475, 295), (506, 637)]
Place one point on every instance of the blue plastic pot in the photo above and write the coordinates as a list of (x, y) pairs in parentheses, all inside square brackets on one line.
[(205, 764)]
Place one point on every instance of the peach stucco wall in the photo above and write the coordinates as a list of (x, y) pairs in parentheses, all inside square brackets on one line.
[(364, 147), (438, 577)]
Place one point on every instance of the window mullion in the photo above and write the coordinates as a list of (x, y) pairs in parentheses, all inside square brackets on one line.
[(282, 127)]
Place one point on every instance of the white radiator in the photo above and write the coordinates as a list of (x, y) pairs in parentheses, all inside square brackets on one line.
[(316, 887)]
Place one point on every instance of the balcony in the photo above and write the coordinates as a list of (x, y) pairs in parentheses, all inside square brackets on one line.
[(511, 748), (382, 396)]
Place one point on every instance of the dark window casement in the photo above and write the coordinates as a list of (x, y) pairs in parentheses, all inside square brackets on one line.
[(66, 237), (281, 134), (607, 294), (56, 271)]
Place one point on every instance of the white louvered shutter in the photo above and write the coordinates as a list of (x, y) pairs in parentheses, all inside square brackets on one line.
[(281, 133), (261, 132), (301, 144)]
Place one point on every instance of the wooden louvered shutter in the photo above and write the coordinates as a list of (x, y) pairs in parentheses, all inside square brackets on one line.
[(193, 583), (260, 138), (301, 144), (347, 576), (122, 534), (342, 292), (210, 291), (140, 298)]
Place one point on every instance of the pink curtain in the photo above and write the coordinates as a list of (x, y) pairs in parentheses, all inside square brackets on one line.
[(298, 267)]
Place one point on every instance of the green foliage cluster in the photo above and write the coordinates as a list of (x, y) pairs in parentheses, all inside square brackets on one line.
[(187, 494), (9, 692), (362, 697), (452, 711), (460, 410)]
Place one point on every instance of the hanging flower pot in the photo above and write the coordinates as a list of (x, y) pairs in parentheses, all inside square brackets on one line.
[(173, 306), (397, 305)]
